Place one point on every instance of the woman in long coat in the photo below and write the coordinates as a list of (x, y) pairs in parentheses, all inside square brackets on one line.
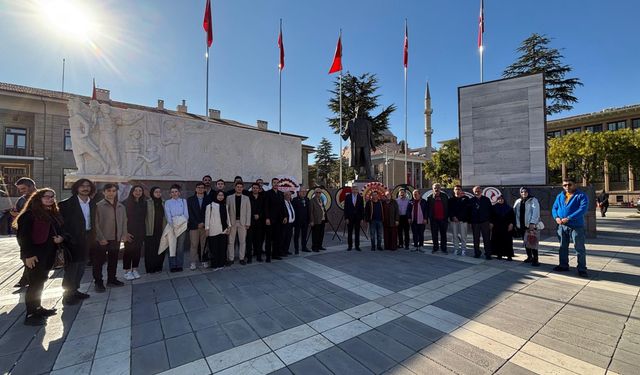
[(502, 222), (155, 222)]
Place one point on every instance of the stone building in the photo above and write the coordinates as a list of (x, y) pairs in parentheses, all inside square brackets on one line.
[(620, 181), (36, 138)]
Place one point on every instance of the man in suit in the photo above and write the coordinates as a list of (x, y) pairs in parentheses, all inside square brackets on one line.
[(78, 213), (362, 143), (255, 234), (275, 218), (301, 207), (239, 208), (353, 214), (197, 205), (403, 228), (317, 219), (237, 179), (288, 227)]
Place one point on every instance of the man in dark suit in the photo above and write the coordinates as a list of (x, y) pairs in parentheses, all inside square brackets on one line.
[(255, 234), (78, 213), (301, 207), (275, 218), (288, 227), (353, 214), (196, 205)]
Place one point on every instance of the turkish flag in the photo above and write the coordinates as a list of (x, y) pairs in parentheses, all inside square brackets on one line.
[(207, 24), (406, 46), (481, 24), (281, 46), (337, 58)]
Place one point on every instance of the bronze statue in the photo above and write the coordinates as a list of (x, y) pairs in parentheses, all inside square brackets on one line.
[(360, 131)]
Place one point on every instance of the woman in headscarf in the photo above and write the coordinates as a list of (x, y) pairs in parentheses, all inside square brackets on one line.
[(527, 213), (216, 223), (39, 235), (502, 224), (136, 206), (155, 223)]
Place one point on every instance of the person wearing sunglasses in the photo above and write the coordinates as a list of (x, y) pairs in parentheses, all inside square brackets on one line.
[(568, 211)]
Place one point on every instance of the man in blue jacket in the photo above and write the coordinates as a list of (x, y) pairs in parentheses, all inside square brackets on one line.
[(568, 211)]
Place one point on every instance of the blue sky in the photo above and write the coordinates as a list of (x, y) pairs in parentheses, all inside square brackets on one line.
[(146, 50)]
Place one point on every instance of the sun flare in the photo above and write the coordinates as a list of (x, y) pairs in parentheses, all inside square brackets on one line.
[(70, 18)]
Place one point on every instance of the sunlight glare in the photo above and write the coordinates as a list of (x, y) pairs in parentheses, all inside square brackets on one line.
[(68, 17)]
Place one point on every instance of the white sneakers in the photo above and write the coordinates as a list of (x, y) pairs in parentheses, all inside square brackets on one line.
[(193, 266), (205, 264), (131, 275)]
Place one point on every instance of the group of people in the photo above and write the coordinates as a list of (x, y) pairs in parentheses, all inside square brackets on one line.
[(497, 224), (255, 223)]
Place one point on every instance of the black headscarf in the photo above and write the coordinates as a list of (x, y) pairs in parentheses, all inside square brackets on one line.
[(223, 210), (522, 206), (157, 202)]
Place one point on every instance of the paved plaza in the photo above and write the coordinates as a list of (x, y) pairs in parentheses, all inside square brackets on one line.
[(346, 312)]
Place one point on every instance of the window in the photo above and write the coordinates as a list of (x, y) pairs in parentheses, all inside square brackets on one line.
[(15, 141), (66, 171), (618, 174), (67, 140), (554, 134), (635, 123), (593, 128), (617, 125), (573, 130)]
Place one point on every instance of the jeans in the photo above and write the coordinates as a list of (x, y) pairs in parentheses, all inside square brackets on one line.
[(459, 232), (567, 234), (176, 261), (375, 232)]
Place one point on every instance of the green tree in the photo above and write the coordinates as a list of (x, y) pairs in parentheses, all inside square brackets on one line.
[(347, 173), (582, 153), (358, 91), (313, 176), (325, 158), (537, 57), (444, 166)]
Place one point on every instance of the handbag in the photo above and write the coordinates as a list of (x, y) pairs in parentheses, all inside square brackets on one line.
[(63, 254), (531, 239)]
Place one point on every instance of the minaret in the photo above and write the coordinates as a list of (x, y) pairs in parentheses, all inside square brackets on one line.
[(427, 122)]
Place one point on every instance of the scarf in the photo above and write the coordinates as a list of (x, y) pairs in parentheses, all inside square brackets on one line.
[(521, 218), (501, 208), (223, 214)]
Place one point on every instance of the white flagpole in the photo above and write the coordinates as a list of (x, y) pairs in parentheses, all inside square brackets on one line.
[(206, 111), (280, 89), (406, 145), (340, 133)]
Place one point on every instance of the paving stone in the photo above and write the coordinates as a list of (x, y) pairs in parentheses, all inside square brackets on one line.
[(285, 318), (625, 356), (76, 351), (473, 353), (212, 315), (511, 324), (309, 365), (263, 324), (7, 362), (85, 327), (321, 306), (513, 369), (112, 342), (115, 364), (239, 332), (418, 328), (192, 303), (146, 333), (337, 302), (419, 364), (246, 307), (169, 308), (183, 349), (149, 359), (371, 358), (143, 312), (175, 326), (38, 360), (624, 368), (79, 369), (116, 320), (213, 340), (407, 338), (453, 361), (339, 362), (17, 338), (390, 347)]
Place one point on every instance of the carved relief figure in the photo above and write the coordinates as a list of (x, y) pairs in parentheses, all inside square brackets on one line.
[(108, 142), (133, 150), (171, 141), (153, 163), (83, 145)]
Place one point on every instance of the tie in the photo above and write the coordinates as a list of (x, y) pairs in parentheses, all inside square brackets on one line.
[(292, 214)]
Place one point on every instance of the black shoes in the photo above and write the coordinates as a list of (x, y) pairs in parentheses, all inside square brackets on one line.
[(80, 295), (305, 250), (560, 269), (70, 300), (115, 283), (528, 260), (358, 249), (243, 262), (276, 258), (45, 312), (583, 273), (35, 320), (348, 249), (99, 287), (322, 248), (229, 263)]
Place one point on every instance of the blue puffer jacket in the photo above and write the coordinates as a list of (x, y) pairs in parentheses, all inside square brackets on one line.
[(574, 209)]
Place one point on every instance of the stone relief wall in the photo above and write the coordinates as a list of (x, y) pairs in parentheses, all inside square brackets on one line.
[(124, 144)]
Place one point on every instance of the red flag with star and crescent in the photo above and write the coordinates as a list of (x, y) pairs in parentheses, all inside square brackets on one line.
[(336, 66), (481, 25), (281, 47), (207, 23)]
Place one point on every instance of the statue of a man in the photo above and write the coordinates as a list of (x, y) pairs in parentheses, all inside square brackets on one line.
[(360, 131)]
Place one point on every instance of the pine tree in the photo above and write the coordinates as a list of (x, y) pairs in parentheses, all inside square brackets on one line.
[(538, 57), (325, 158), (358, 91)]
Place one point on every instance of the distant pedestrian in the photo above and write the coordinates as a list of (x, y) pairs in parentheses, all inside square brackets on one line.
[(527, 212), (479, 215), (39, 227), (568, 211), (603, 202)]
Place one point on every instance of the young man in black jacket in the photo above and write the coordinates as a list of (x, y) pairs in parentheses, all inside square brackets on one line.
[(255, 234), (479, 214), (275, 218), (197, 204), (301, 227), (458, 209)]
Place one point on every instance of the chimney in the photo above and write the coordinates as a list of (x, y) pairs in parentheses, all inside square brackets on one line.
[(214, 114), (102, 95), (262, 125), (182, 108), (161, 104)]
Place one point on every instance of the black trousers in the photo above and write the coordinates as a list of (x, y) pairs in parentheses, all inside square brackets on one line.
[(218, 250), (403, 232), (439, 229), (132, 251), (73, 272), (273, 238), (418, 234), (353, 233), (37, 276), (153, 261), (108, 253), (255, 239), (300, 236), (484, 230), (287, 234), (317, 236)]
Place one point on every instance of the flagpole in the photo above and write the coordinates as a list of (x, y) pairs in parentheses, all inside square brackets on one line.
[(340, 133), (481, 64), (280, 90), (63, 63), (406, 145), (206, 111)]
